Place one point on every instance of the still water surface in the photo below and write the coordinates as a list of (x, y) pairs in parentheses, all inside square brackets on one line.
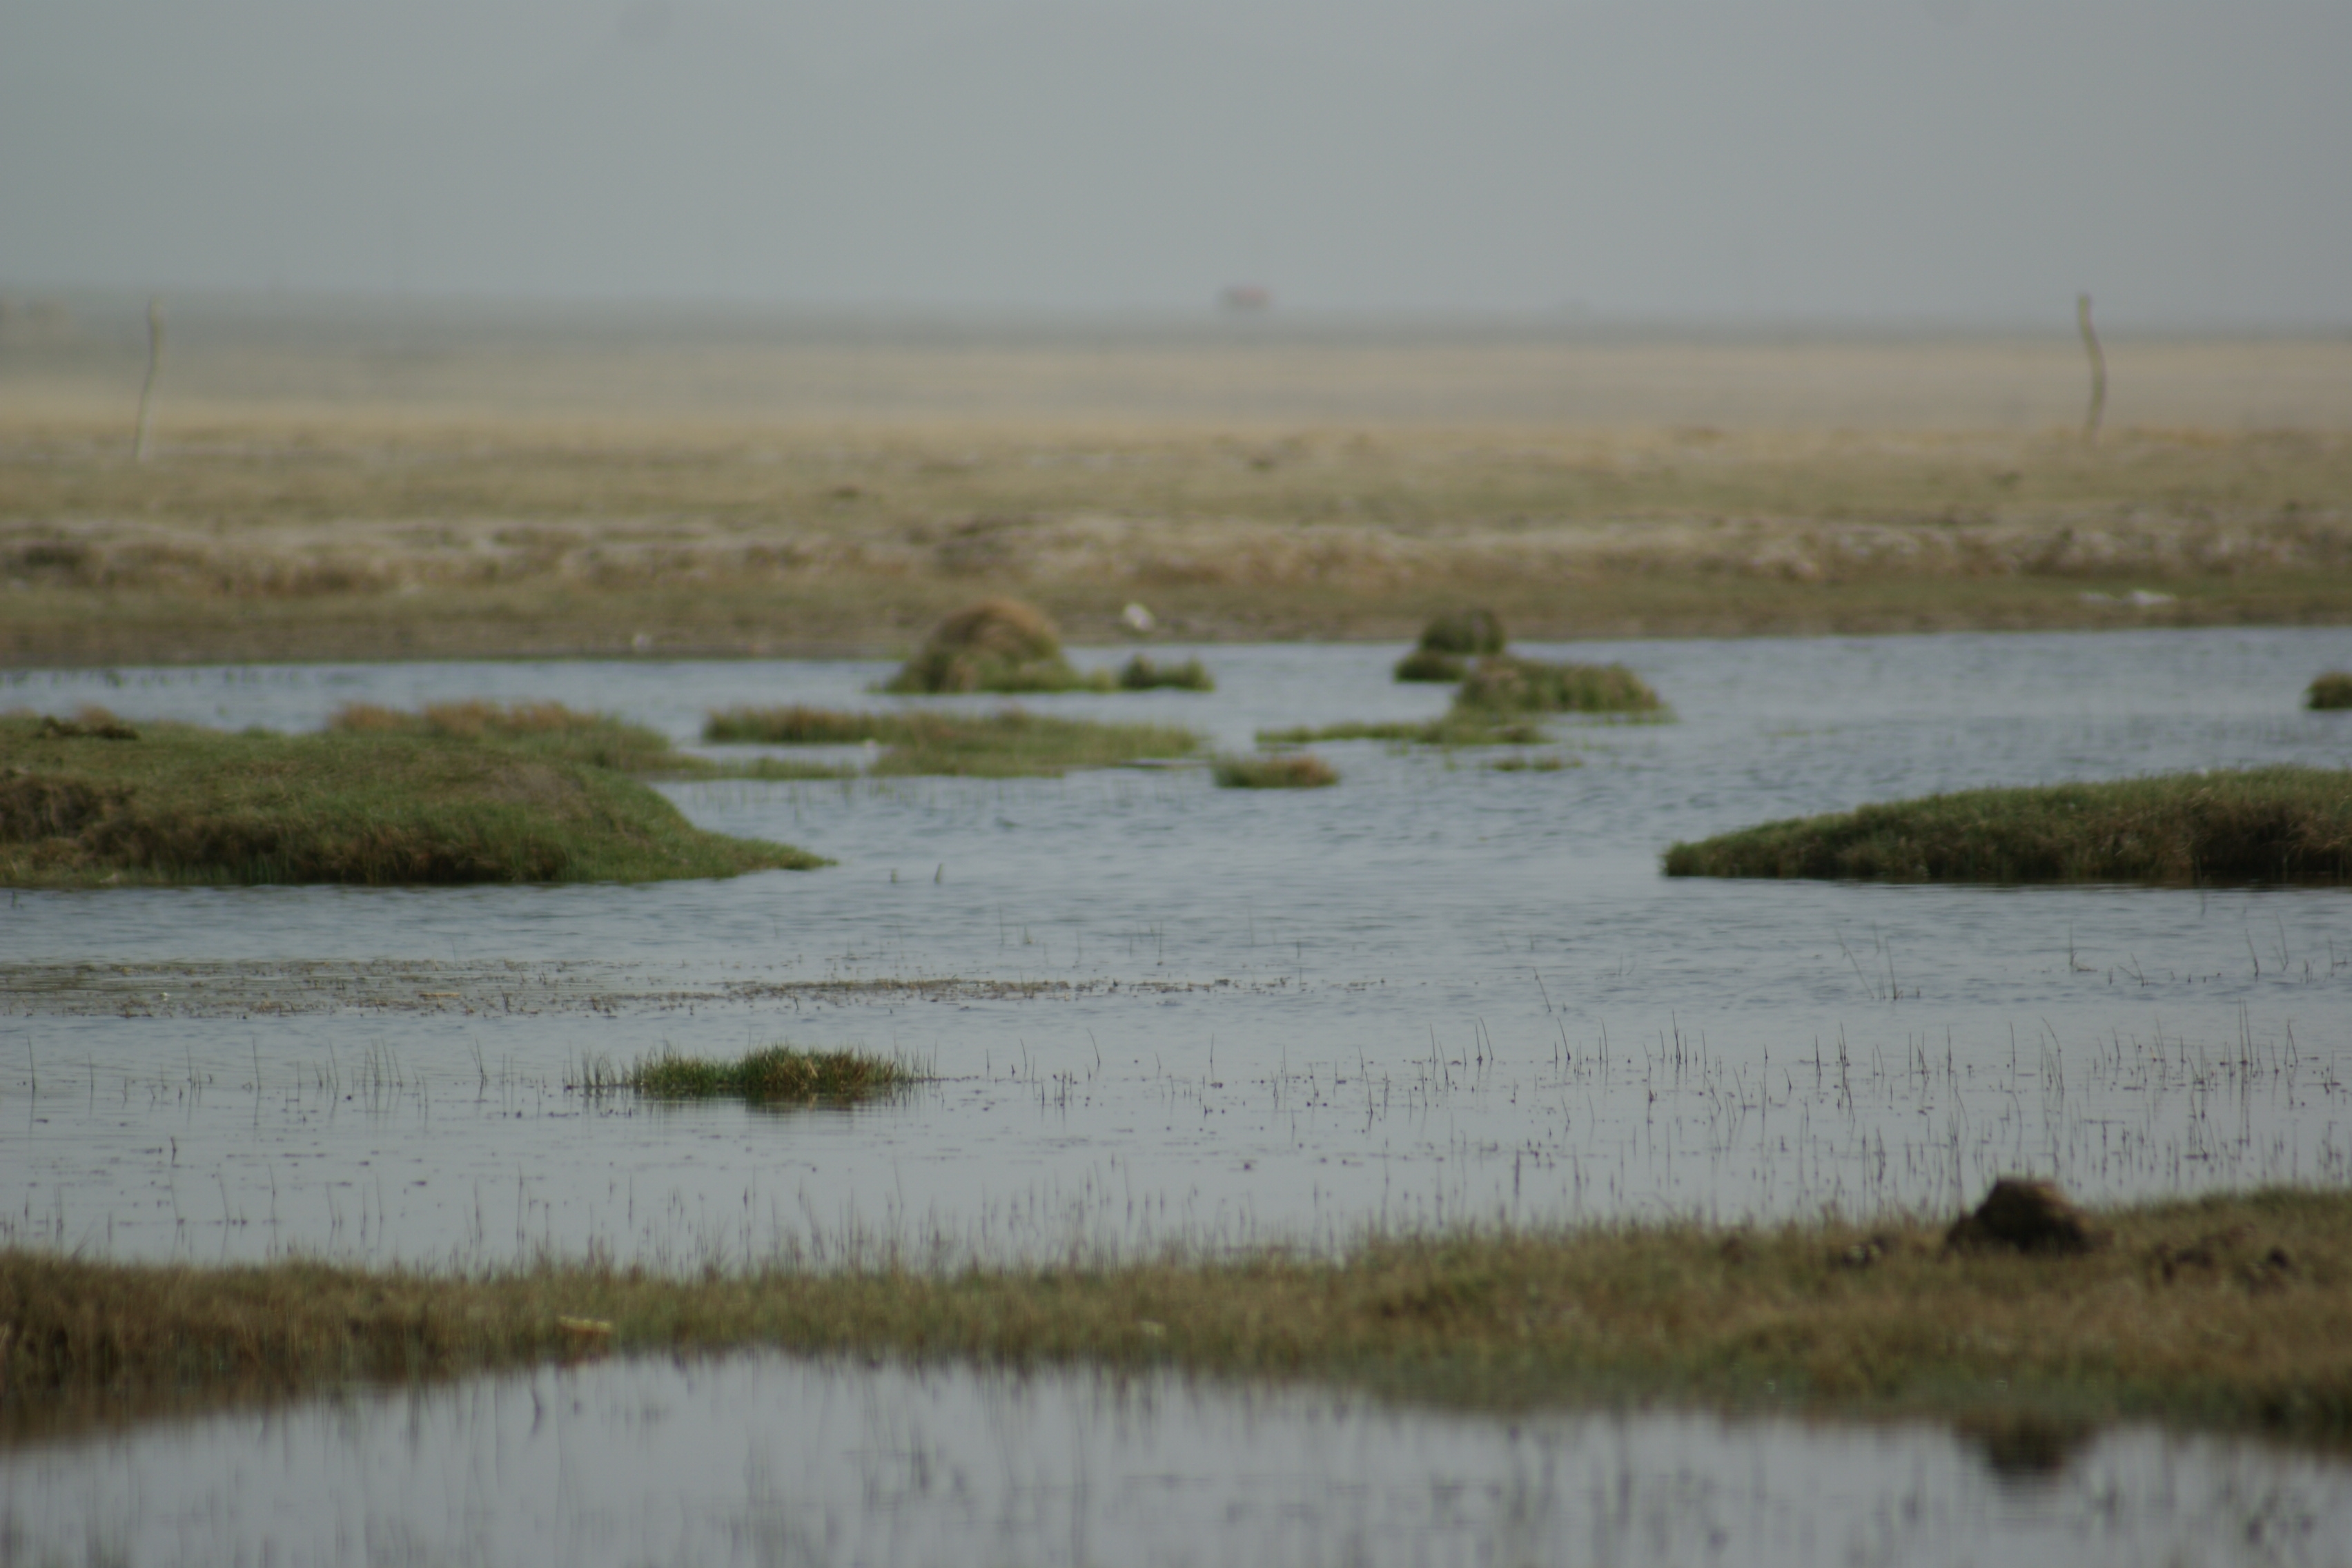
[(774, 1461), (1160, 1012)]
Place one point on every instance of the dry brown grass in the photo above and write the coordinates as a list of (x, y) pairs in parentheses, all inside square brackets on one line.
[(2221, 1312), (544, 500)]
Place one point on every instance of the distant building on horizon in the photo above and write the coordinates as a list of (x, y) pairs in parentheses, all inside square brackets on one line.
[(1245, 297)]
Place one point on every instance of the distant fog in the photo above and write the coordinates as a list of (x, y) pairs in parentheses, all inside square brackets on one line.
[(1954, 161)]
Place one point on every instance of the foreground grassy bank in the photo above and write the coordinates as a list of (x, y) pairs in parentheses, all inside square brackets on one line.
[(94, 803), (2284, 825), (2223, 1313)]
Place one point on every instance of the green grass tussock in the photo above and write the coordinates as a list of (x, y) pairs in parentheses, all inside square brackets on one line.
[(1009, 744), (2281, 824), (545, 730), (1506, 683), (777, 1073), (1452, 730), (1431, 666), (2223, 1313), (1448, 642), (382, 805), (1284, 770), (2330, 690), (997, 645), (1140, 674)]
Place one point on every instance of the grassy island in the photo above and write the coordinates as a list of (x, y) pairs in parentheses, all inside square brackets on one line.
[(1012, 742), (2221, 1312), (2282, 824), (774, 1075), (95, 803)]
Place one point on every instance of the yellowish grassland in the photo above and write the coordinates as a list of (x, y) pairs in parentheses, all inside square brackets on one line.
[(364, 494)]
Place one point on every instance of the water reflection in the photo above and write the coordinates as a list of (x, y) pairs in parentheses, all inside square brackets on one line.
[(767, 1459)]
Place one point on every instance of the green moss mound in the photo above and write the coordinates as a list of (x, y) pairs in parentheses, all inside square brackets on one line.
[(1506, 683), (1285, 770), (386, 806), (778, 1073), (1428, 665), (997, 645), (2331, 690), (1140, 674), (2284, 824), (1009, 743), (1449, 642)]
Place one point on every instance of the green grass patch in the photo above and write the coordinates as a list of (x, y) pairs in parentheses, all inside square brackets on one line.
[(2282, 824), (549, 730), (778, 1073), (1283, 770), (2225, 1312), (2333, 689), (1433, 667), (1140, 674), (385, 804), (1009, 744), (1454, 729), (1506, 683)]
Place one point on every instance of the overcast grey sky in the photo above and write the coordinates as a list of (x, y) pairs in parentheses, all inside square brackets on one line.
[(1963, 160)]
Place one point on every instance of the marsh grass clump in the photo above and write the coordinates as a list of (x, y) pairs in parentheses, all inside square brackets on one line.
[(1455, 728), (387, 806), (1283, 770), (2282, 824), (1449, 642), (2221, 1312), (1140, 674), (1433, 667), (1539, 762), (777, 1073), (1506, 683), (1009, 744), (997, 645), (2330, 690)]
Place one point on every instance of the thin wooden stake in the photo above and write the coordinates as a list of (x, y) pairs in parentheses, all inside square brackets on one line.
[(147, 389), (2098, 371)]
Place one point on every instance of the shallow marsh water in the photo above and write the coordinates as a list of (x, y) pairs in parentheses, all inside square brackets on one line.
[(771, 1460), (1159, 1012)]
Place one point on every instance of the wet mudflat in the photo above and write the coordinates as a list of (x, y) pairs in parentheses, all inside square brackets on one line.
[(1156, 1012)]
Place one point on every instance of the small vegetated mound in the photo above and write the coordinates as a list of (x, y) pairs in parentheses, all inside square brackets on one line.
[(998, 645), (1009, 744), (1283, 770), (777, 1074), (2282, 824), (385, 806), (2021, 1215), (1449, 642), (1506, 683), (2331, 690), (1140, 674)]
